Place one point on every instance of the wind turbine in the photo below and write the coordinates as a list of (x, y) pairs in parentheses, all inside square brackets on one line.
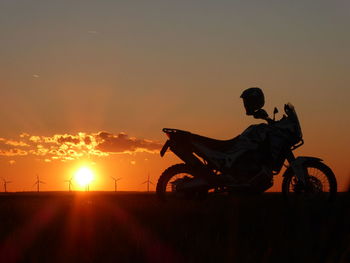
[(115, 182), (5, 184), (148, 182), (70, 184), (87, 186), (37, 183)]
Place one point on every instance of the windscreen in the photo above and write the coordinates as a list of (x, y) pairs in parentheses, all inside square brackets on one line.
[(292, 115)]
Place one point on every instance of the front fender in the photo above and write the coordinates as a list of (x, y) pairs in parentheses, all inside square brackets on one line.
[(300, 160), (297, 167)]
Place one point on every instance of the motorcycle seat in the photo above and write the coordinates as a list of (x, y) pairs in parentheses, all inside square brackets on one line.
[(213, 144)]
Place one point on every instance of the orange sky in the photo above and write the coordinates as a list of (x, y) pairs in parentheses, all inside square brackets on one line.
[(94, 83)]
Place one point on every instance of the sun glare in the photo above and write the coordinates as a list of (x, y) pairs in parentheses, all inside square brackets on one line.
[(84, 176)]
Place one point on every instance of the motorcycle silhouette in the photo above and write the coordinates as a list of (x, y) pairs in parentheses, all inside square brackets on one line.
[(246, 163)]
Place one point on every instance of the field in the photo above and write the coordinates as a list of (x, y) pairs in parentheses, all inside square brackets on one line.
[(135, 227)]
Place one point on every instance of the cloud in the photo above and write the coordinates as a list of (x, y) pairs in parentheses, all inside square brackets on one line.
[(23, 135), (66, 147), (16, 143), (13, 152), (122, 143), (68, 139)]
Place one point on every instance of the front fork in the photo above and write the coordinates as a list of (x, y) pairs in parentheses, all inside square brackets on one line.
[(297, 165)]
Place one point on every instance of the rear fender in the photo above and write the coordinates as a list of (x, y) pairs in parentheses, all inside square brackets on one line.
[(297, 167), (165, 148)]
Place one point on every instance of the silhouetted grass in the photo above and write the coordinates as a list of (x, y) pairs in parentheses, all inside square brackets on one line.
[(135, 227)]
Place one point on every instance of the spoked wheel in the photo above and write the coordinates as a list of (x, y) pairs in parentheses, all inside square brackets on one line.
[(171, 180), (320, 185)]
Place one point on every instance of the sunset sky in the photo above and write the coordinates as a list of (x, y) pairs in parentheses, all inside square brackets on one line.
[(92, 83)]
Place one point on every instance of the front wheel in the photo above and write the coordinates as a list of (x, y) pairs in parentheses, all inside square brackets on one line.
[(321, 183)]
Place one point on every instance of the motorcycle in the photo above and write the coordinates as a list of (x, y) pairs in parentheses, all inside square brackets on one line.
[(246, 163)]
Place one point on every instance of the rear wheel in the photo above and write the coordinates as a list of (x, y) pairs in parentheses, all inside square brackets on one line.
[(168, 183), (320, 185)]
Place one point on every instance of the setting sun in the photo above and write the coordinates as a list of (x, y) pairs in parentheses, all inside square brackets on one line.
[(84, 176)]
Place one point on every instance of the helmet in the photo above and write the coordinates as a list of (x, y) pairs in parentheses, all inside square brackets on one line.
[(253, 99)]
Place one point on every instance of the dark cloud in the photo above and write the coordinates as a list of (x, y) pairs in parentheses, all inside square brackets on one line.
[(120, 143), (87, 140), (68, 139)]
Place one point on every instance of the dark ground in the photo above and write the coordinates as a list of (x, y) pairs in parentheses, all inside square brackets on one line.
[(135, 227)]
